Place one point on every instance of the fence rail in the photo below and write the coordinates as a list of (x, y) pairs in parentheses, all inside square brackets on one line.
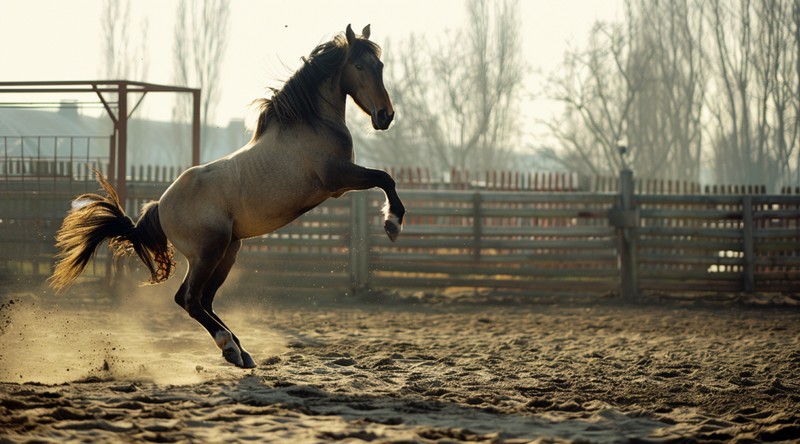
[(529, 241), (52, 157)]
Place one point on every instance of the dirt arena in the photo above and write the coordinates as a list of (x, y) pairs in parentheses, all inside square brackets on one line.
[(415, 368)]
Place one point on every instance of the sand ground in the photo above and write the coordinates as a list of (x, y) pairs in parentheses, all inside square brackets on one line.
[(420, 368)]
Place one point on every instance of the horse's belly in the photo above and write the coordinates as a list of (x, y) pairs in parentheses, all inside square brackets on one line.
[(247, 228), (251, 223)]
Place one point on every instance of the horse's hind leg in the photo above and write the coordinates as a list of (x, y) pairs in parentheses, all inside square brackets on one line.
[(210, 290), (201, 268)]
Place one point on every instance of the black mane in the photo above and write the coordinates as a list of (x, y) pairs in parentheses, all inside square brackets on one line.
[(296, 101)]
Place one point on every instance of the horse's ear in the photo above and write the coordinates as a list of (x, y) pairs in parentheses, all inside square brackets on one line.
[(365, 32), (351, 36)]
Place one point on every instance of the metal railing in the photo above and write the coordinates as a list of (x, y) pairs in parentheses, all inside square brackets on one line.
[(52, 157)]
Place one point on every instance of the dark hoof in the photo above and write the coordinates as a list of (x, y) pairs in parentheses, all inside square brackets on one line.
[(234, 356), (247, 361), (392, 230)]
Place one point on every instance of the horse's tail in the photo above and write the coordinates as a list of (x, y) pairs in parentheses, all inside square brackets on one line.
[(93, 219)]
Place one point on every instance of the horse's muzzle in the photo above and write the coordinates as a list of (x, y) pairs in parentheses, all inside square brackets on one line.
[(382, 119)]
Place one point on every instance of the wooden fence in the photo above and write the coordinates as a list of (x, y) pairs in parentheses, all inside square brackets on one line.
[(719, 243), (470, 237)]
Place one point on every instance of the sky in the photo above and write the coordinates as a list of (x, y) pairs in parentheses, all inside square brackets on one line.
[(61, 40)]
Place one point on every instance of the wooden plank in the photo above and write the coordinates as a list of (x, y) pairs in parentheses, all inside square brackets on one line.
[(430, 230), (565, 213), (688, 275), (790, 277), (535, 231), (554, 285), (778, 245), (687, 199), (775, 215), (686, 232), (775, 199), (690, 244), (664, 258), (705, 214), (479, 270), (555, 244), (685, 286), (785, 234), (503, 197), (778, 261), (566, 260)]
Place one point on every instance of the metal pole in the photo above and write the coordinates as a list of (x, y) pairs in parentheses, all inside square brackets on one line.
[(122, 144), (628, 237), (196, 127)]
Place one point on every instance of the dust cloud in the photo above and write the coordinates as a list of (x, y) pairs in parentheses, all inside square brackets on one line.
[(139, 335)]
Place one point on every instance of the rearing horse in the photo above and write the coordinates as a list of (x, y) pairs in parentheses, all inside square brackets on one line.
[(301, 154)]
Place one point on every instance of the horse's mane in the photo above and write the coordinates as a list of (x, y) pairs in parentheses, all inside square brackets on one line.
[(296, 101)]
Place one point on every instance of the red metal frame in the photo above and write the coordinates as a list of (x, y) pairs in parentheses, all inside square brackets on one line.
[(118, 151)]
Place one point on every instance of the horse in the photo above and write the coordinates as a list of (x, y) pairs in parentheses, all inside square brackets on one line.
[(301, 153)]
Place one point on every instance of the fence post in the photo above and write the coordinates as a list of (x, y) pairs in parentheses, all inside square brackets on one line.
[(477, 225), (359, 242), (749, 249), (625, 217)]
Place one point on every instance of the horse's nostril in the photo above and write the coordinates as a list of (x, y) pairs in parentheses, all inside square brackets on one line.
[(384, 117)]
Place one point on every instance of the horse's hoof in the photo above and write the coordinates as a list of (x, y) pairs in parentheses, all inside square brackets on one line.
[(247, 361), (392, 229), (234, 356)]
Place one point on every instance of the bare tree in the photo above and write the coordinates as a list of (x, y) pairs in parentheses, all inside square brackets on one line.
[(792, 88), (201, 37), (457, 102), (640, 81), (756, 46), (598, 90), (671, 140), (122, 60), (657, 82)]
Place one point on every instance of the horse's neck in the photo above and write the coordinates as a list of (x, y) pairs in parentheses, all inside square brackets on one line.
[(331, 100), (331, 106)]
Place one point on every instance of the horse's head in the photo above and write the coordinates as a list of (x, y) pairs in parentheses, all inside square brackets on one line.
[(362, 79)]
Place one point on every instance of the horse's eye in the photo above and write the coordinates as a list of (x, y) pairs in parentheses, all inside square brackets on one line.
[(359, 66)]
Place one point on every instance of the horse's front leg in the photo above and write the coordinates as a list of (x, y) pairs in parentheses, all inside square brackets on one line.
[(347, 176)]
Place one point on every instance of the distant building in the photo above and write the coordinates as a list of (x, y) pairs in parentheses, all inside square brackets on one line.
[(29, 132)]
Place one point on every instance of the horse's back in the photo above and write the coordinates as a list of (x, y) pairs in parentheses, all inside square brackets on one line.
[(251, 192)]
